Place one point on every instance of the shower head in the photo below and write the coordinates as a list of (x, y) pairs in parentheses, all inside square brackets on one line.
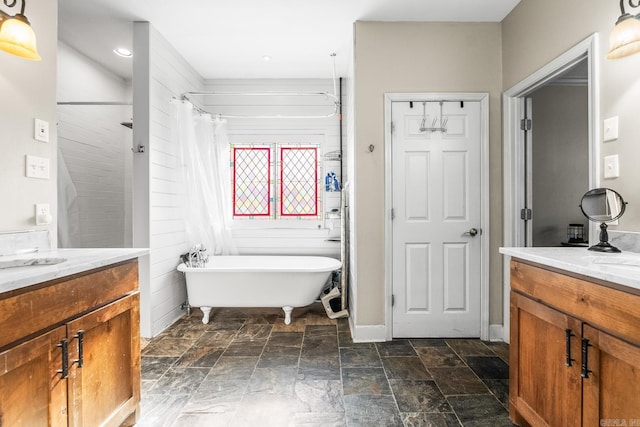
[(127, 124)]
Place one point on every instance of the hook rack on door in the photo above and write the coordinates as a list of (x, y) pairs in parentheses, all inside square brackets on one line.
[(434, 128)]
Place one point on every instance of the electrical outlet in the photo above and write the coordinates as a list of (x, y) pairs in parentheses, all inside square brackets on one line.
[(41, 130), (43, 214)]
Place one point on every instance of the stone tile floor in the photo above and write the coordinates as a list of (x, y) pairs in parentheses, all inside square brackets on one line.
[(247, 368)]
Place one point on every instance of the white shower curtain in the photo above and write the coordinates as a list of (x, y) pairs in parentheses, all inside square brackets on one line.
[(204, 168)]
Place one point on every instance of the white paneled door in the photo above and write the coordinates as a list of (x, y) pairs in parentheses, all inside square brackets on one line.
[(436, 188)]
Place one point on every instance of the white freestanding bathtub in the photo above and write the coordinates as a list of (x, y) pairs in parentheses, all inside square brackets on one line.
[(257, 281)]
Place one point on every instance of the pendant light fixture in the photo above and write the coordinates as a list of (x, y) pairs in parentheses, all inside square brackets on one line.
[(625, 37), (16, 35)]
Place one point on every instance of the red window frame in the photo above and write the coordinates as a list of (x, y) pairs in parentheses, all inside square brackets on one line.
[(235, 152), (315, 181)]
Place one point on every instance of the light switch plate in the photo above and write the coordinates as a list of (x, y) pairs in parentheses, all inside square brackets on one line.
[(41, 130), (611, 166), (611, 129), (37, 167)]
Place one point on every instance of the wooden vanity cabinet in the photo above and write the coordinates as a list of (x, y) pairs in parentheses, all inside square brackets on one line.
[(574, 351), (105, 390), (542, 388), (611, 393), (32, 393), (93, 335)]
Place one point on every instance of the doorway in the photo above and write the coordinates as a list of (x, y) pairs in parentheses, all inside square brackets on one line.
[(517, 193), (436, 192), (559, 159), (94, 175)]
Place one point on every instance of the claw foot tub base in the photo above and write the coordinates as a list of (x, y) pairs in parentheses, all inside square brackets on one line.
[(206, 311), (286, 282), (287, 314)]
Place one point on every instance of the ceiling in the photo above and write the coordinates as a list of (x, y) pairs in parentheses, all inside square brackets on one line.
[(228, 39)]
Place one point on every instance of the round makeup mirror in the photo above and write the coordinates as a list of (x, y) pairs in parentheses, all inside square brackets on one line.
[(603, 205)]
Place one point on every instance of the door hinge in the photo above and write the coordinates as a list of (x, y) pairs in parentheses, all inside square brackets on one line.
[(393, 300), (525, 124), (525, 214), (393, 214), (393, 127)]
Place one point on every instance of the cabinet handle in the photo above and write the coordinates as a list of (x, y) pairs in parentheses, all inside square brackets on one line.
[(568, 335), (585, 358), (80, 337), (64, 344)]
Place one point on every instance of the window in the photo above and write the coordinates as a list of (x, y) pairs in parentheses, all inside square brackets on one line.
[(252, 182), (298, 181), (276, 181)]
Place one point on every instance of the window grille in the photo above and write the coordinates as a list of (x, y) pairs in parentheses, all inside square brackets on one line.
[(276, 181), (251, 182), (298, 181)]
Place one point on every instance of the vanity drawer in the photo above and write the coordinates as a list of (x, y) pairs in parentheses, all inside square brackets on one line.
[(602, 304), (43, 306)]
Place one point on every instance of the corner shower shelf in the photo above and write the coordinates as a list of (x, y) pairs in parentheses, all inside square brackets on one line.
[(333, 156)]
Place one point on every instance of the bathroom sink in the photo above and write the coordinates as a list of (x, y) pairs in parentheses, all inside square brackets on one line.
[(28, 262)]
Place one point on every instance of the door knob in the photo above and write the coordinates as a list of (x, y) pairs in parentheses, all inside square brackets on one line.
[(472, 232)]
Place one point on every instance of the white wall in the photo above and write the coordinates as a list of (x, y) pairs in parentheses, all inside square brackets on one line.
[(160, 74), (28, 91), (96, 151), (326, 130)]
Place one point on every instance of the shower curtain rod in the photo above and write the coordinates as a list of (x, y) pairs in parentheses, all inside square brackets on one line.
[(276, 93), (336, 104)]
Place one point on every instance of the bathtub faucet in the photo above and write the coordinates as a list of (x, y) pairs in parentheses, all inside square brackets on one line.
[(197, 256)]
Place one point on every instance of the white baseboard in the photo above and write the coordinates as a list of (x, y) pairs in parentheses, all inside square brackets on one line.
[(368, 333), (496, 333), (377, 333), (167, 320)]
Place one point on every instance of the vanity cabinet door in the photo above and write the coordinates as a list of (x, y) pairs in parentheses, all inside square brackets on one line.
[(545, 382), (105, 388), (32, 392), (611, 387)]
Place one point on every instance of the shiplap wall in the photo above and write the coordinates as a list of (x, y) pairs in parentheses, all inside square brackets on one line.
[(160, 73), (163, 74), (96, 151), (283, 240)]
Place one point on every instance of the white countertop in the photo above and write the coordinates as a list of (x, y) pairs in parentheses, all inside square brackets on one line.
[(77, 261), (621, 268)]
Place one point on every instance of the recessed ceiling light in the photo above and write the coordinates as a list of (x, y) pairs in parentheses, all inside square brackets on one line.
[(266, 58), (121, 51)]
